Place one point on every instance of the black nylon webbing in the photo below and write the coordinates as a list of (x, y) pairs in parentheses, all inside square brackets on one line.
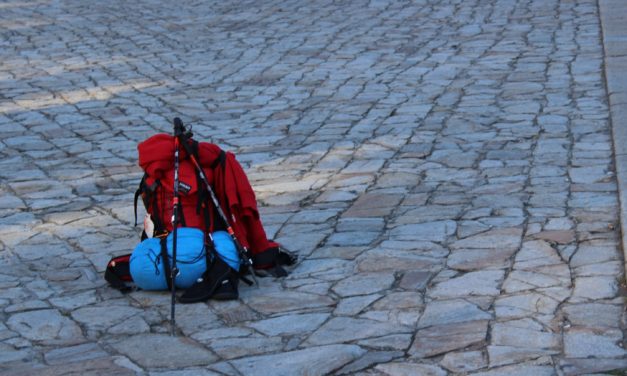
[(166, 262)]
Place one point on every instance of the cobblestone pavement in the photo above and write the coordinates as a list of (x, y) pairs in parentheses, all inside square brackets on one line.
[(443, 168)]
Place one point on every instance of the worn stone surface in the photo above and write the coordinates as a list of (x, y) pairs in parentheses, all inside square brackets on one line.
[(444, 338), (344, 329), (46, 326), (447, 172), (163, 351), (459, 362), (312, 361)]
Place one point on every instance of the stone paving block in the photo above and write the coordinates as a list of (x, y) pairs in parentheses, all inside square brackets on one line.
[(602, 314), (441, 339), (230, 348), (290, 324), (473, 283), (46, 326), (432, 231), (314, 361), (504, 355), (163, 351), (389, 259), (286, 301), (104, 316), (94, 366), (575, 366), (524, 305), (345, 329), (463, 361), (451, 311), (370, 359), (600, 287), (73, 354), (522, 369), (11, 354), (408, 368), (596, 343)]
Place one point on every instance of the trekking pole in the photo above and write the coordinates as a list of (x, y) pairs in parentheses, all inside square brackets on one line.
[(178, 132), (243, 251)]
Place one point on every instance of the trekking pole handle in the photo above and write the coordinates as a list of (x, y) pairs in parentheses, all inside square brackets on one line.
[(179, 128)]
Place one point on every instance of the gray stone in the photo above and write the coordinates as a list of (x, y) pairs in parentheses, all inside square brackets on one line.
[(524, 334), (369, 359), (415, 280), (404, 300), (285, 301), (191, 318), (9, 354), (47, 326), (131, 326), (187, 372), (592, 254), (582, 342), (534, 254), (99, 366), (476, 259), (290, 324), (393, 260), (600, 287), (391, 342), (26, 306), (605, 268), (594, 314), (79, 353), (311, 361), (508, 238), (591, 365), (355, 304), (75, 300), (431, 231), (103, 317), (451, 311), (472, 283), (345, 329), (460, 362), (364, 284), (524, 305), (519, 281), (163, 351), (441, 339), (230, 348), (504, 355), (587, 174), (466, 150), (522, 369), (409, 369)]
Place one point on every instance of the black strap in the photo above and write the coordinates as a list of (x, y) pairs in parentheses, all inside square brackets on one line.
[(138, 193), (220, 161), (166, 262), (181, 215)]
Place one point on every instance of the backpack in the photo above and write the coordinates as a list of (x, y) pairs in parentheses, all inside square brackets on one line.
[(237, 214)]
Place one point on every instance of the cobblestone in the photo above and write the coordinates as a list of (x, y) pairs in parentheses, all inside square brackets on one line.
[(445, 170)]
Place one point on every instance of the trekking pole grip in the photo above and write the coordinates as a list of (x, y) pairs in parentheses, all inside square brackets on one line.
[(179, 128)]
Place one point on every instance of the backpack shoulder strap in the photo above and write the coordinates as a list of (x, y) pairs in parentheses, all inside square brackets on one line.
[(138, 193)]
